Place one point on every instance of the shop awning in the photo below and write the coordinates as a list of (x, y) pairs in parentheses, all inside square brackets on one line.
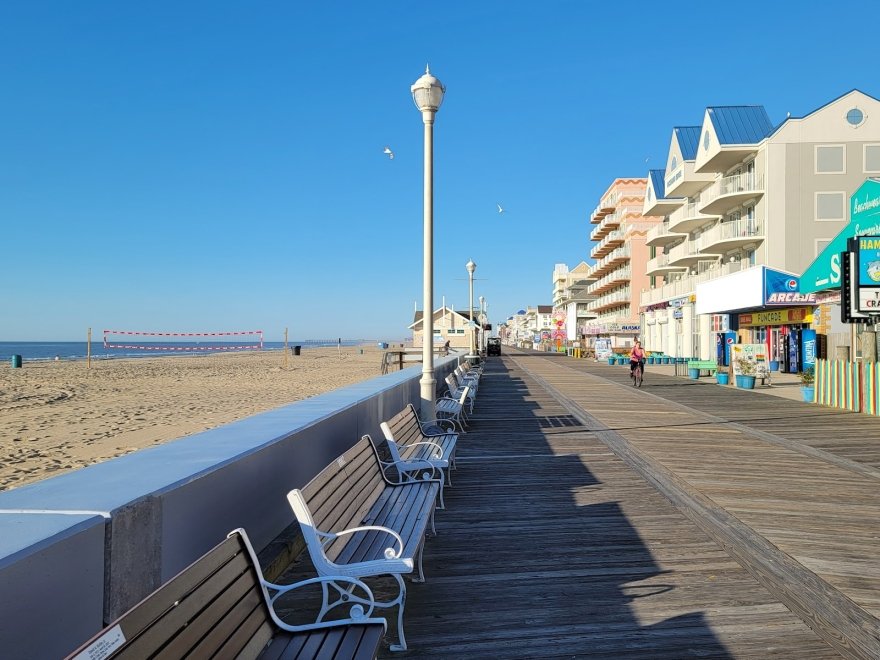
[(864, 205)]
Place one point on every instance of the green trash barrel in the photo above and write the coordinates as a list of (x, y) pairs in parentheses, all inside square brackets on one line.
[(16, 362)]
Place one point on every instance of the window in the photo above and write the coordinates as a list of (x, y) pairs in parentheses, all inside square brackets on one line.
[(821, 244), (673, 164), (872, 158), (830, 206), (855, 117), (830, 159)]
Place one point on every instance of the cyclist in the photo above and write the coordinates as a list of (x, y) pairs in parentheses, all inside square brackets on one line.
[(636, 356)]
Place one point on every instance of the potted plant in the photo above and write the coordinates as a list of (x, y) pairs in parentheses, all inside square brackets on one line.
[(722, 377), (808, 384), (746, 377)]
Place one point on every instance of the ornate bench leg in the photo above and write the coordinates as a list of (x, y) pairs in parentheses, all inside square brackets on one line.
[(402, 601), (421, 574)]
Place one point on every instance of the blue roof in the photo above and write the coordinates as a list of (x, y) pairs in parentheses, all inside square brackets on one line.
[(657, 183), (688, 139), (740, 124)]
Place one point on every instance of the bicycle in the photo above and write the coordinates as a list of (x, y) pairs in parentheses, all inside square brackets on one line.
[(637, 375)]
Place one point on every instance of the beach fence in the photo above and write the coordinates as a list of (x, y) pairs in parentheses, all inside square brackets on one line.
[(853, 386)]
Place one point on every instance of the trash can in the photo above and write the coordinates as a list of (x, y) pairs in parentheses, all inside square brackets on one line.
[(16, 362), (296, 349)]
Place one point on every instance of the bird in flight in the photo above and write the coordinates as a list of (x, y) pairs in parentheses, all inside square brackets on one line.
[(500, 208), (389, 153)]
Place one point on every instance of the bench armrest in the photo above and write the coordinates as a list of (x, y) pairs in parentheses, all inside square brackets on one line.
[(438, 455), (361, 606), (389, 552), (426, 426)]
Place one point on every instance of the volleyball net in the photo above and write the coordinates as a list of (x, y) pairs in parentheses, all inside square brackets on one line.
[(245, 340)]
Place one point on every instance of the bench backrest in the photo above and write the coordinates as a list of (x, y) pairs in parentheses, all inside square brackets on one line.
[(214, 607), (404, 427), (341, 495)]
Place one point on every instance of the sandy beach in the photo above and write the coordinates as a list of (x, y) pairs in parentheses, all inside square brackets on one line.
[(60, 416)]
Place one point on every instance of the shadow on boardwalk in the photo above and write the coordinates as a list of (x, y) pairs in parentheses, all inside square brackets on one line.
[(538, 555)]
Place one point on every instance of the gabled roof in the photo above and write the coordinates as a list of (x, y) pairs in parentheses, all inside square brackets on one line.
[(688, 140), (740, 124), (657, 183), (823, 106), (417, 317)]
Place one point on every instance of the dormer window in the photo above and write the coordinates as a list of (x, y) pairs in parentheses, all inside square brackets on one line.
[(706, 140), (673, 164)]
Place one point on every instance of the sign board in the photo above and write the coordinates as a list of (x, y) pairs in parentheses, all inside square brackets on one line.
[(753, 353), (867, 249), (783, 289), (777, 317), (603, 349), (864, 212)]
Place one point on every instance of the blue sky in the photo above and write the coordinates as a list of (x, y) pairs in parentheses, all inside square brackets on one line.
[(218, 166)]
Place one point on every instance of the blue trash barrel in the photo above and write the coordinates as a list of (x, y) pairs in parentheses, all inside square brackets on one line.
[(16, 362)]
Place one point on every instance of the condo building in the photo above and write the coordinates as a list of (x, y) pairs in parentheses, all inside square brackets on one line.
[(571, 298), (746, 207), (621, 254)]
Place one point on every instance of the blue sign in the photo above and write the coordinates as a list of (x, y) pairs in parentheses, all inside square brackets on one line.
[(784, 290), (869, 260), (808, 347)]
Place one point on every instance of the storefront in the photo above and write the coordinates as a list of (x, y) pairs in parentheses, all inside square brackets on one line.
[(671, 327), (621, 335), (761, 306), (823, 276), (785, 332)]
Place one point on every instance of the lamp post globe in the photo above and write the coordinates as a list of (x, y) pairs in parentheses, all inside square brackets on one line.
[(427, 93)]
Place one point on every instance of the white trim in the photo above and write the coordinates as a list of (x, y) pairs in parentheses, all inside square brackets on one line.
[(843, 207), (865, 157), (816, 148)]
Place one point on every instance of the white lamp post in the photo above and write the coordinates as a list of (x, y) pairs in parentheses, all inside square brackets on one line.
[(471, 267), (427, 93), (482, 323)]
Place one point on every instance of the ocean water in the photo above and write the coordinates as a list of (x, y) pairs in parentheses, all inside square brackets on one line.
[(76, 350)]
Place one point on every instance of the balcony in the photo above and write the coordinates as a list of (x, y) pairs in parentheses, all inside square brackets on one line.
[(688, 253), (615, 258), (688, 217), (730, 192), (611, 241), (686, 284), (684, 182), (659, 235), (729, 235), (660, 266), (616, 299), (613, 279)]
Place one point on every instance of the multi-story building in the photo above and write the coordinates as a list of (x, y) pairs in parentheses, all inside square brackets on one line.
[(621, 255), (571, 298), (744, 204)]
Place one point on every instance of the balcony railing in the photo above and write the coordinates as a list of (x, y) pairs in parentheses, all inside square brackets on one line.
[(622, 252), (734, 188), (659, 231), (737, 231), (618, 275), (686, 284)]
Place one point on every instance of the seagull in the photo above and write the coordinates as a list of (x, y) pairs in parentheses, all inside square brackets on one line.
[(390, 153), (500, 208)]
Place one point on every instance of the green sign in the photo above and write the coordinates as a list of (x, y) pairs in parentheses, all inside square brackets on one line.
[(864, 207)]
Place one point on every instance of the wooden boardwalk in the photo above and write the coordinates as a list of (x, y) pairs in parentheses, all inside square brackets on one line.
[(589, 519)]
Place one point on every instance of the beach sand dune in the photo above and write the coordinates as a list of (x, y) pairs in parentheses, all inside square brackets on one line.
[(61, 416)]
